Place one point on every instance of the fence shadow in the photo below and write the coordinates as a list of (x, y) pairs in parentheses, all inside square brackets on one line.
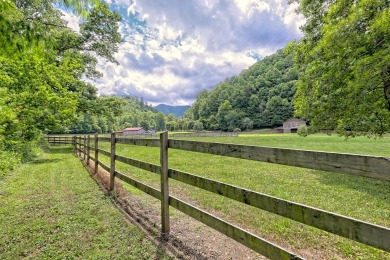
[(373, 187), (43, 161), (59, 149)]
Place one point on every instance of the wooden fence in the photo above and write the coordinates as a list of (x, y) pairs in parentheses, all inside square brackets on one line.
[(205, 134), (59, 139), (354, 229)]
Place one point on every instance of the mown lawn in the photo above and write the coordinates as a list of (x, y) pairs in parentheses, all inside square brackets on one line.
[(52, 209), (362, 198)]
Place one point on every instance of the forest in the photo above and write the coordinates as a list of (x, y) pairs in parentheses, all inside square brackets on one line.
[(261, 96), (337, 77)]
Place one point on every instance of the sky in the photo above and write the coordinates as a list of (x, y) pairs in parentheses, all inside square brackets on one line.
[(173, 49)]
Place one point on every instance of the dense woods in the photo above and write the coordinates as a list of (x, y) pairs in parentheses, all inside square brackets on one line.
[(261, 96)]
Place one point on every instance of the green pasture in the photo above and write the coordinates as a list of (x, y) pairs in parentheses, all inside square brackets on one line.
[(358, 197)]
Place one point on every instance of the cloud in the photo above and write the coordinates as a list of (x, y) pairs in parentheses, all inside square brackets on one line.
[(174, 49), (72, 20)]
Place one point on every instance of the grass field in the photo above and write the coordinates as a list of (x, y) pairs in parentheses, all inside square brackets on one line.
[(52, 209), (362, 198)]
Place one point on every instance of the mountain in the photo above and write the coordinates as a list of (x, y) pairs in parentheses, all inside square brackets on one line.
[(261, 96), (176, 110)]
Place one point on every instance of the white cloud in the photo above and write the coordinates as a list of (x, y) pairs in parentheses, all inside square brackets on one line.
[(72, 20), (174, 49)]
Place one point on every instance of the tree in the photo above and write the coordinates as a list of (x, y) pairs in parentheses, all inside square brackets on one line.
[(43, 65), (198, 126), (160, 121), (246, 123), (345, 56), (232, 119), (171, 117), (223, 111)]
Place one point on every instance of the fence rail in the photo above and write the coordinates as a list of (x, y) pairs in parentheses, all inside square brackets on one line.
[(59, 140), (205, 134), (354, 229)]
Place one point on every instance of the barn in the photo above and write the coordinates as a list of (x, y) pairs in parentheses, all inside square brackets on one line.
[(133, 131), (291, 125)]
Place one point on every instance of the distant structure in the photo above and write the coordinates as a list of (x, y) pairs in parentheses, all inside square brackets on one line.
[(133, 131), (291, 125)]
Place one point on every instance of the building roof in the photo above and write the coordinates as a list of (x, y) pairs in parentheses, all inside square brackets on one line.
[(294, 119), (133, 129)]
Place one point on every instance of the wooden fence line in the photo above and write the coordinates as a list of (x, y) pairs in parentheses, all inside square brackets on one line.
[(351, 228), (59, 140), (363, 165), (364, 232)]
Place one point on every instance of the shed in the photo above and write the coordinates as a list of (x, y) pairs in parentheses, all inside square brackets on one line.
[(291, 125), (133, 131)]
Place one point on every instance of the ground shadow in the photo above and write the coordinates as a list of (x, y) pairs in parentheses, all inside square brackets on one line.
[(376, 188), (59, 149), (42, 161)]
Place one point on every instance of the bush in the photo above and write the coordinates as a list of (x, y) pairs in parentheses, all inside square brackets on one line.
[(14, 151), (8, 161), (303, 131), (236, 130)]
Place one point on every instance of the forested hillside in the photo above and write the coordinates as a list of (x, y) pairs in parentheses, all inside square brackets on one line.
[(261, 96)]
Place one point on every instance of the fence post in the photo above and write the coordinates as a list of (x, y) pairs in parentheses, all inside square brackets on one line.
[(74, 145), (88, 148), (79, 138), (96, 153), (85, 148), (165, 226), (112, 167)]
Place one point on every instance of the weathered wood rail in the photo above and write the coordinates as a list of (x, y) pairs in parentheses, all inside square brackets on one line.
[(59, 139), (354, 229), (204, 134)]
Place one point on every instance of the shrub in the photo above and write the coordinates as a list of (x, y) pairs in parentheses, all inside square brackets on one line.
[(303, 131), (8, 161)]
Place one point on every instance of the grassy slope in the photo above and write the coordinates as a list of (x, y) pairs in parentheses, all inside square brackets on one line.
[(52, 209), (358, 197)]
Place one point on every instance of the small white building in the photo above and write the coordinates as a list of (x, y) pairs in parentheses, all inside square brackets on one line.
[(133, 131)]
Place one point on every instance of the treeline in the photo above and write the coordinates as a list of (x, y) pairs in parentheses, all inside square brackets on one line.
[(107, 114), (261, 96)]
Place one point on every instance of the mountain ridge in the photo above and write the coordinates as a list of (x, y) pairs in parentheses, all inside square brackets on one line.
[(175, 110)]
